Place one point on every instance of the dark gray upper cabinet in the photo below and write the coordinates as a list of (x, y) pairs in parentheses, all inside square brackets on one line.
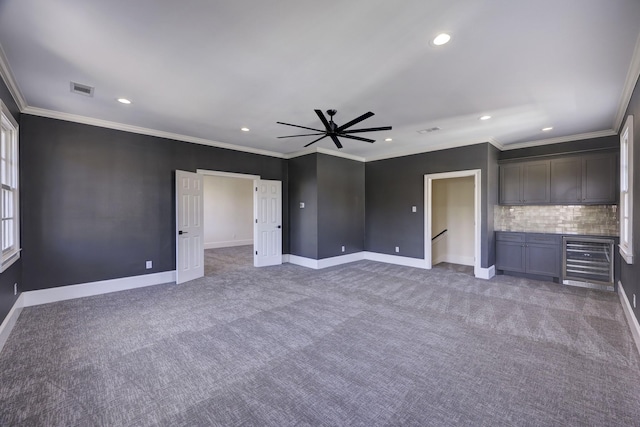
[(573, 179), (599, 177), (586, 179), (566, 180), (524, 183)]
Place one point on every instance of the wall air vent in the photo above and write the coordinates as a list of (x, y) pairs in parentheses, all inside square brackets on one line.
[(81, 89), (433, 129)]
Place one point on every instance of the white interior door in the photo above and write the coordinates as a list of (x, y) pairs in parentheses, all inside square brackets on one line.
[(189, 228), (267, 236)]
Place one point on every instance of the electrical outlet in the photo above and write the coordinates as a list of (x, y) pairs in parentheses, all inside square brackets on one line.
[(15, 291), (149, 264), (343, 249), (414, 209), (397, 248), (634, 300)]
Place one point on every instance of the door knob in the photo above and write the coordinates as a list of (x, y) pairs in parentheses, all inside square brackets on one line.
[(182, 232), (279, 226)]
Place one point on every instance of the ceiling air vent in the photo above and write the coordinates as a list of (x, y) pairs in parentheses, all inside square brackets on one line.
[(433, 129), (81, 89)]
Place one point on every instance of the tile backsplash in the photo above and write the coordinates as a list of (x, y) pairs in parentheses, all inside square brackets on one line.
[(580, 219)]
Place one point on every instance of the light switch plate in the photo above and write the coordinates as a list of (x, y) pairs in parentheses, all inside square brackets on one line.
[(149, 264), (301, 205), (414, 209)]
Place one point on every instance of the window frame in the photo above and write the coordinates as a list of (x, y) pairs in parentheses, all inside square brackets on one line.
[(626, 191), (9, 150)]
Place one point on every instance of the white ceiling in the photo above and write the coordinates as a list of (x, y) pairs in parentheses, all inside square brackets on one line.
[(202, 69)]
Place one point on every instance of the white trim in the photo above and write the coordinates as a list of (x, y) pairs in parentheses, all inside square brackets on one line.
[(227, 174), (485, 273), (228, 244), (629, 84), (568, 138), (395, 259), (45, 296), (628, 313), (454, 259), (143, 131), (10, 321), (285, 258), (419, 150), (324, 151), (477, 202), (10, 81), (317, 264)]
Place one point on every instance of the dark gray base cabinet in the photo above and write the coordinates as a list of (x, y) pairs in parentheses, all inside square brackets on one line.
[(530, 253)]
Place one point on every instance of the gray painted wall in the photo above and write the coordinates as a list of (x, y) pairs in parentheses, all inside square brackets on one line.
[(97, 203), (340, 206), (14, 273), (303, 223), (332, 189), (393, 186)]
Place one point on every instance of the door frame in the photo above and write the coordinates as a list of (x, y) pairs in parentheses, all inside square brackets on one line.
[(477, 202)]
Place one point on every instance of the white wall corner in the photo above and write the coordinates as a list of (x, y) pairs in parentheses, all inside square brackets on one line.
[(631, 318), (10, 321), (61, 293), (485, 273)]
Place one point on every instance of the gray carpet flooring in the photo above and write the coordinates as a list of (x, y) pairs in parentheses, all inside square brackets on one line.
[(362, 344)]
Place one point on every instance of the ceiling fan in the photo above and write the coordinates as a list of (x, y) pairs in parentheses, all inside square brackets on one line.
[(334, 131)]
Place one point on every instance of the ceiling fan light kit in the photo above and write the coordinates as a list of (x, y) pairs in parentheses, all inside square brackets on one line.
[(333, 131)]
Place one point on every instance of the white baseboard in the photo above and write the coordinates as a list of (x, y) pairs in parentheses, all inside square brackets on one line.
[(317, 264), (10, 321), (285, 258), (45, 296), (454, 259), (228, 244), (631, 318), (485, 273), (396, 259)]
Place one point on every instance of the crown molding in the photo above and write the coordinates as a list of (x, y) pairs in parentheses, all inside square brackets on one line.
[(324, 151), (420, 150), (143, 131), (568, 138), (7, 76), (630, 83)]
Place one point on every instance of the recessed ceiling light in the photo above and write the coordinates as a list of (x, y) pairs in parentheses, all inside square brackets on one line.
[(124, 101), (244, 129), (441, 39), (388, 139), (485, 117), (547, 129)]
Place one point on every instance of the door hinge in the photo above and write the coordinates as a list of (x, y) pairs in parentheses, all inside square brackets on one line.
[(256, 189), (256, 220), (256, 252)]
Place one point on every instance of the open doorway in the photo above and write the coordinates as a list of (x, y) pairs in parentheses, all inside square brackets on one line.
[(452, 203)]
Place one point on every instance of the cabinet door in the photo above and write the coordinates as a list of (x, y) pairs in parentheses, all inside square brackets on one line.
[(535, 182), (511, 184), (566, 180), (510, 256), (542, 259), (599, 178)]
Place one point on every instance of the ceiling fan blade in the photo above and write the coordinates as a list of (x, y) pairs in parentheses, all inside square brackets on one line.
[(354, 121), (336, 141), (316, 140), (367, 130), (323, 119), (357, 137), (298, 126), (304, 134)]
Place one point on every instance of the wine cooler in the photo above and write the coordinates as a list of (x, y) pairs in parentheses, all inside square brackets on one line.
[(588, 262)]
